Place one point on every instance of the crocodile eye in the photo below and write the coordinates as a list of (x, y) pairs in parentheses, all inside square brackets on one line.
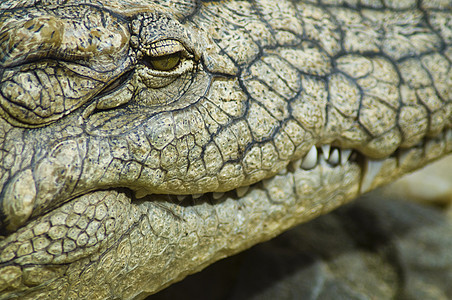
[(165, 55), (163, 62)]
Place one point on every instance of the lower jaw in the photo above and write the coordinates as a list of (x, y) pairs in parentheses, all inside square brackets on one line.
[(155, 241)]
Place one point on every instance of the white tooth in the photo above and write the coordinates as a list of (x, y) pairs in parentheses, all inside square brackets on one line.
[(449, 140), (334, 157), (310, 160), (371, 170), (140, 194), (403, 155), (326, 151), (345, 155), (431, 146), (217, 195), (282, 171), (241, 191), (295, 165), (196, 196), (181, 197)]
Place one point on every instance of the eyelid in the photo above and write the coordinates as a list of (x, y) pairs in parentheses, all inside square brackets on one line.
[(161, 50), (166, 47)]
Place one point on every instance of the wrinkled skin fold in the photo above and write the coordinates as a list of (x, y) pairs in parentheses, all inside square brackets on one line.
[(143, 140)]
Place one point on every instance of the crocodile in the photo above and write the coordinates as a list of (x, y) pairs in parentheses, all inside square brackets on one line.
[(143, 140)]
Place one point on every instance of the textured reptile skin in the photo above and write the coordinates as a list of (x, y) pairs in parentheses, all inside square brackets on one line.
[(112, 111)]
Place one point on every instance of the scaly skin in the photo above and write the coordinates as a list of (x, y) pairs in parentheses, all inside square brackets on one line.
[(108, 112)]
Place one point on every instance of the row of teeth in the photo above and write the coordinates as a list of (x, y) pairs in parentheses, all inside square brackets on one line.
[(240, 191), (332, 155)]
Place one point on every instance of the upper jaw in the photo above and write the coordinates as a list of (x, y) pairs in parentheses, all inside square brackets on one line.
[(128, 161)]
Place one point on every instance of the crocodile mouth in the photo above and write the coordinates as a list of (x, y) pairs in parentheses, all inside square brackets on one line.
[(329, 164), (324, 156), (373, 172)]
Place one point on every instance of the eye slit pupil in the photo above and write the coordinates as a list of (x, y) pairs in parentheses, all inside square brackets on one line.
[(164, 62)]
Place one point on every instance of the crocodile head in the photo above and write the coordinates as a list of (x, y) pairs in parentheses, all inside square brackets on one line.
[(143, 141)]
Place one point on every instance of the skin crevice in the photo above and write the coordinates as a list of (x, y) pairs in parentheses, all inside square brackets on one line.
[(268, 115)]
